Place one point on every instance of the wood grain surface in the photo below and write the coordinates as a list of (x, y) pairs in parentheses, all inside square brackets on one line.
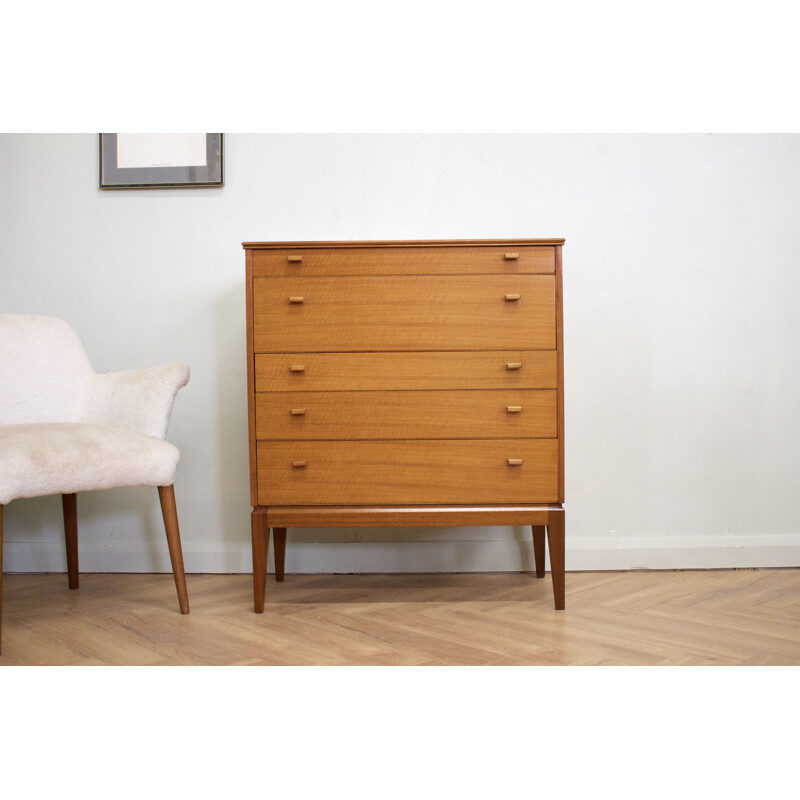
[(499, 414), (393, 313), (538, 369), (711, 617), (513, 259), (407, 472)]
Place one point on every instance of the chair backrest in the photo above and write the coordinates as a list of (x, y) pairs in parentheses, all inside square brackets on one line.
[(43, 370)]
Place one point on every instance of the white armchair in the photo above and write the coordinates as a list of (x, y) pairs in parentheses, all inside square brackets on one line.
[(65, 429)]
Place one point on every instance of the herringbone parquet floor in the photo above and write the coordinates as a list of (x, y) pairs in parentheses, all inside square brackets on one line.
[(712, 617)]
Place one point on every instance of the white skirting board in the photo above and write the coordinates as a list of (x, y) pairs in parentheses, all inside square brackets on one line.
[(418, 550)]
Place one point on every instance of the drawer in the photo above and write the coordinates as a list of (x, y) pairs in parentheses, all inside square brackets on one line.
[(408, 473), (496, 369), (480, 312), (507, 259), (407, 415)]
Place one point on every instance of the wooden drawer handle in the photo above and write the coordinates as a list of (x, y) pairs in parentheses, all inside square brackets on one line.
[(298, 412), (298, 464), (297, 368), (510, 297), (514, 365), (294, 259), (296, 299), (512, 409), (514, 462), (511, 256)]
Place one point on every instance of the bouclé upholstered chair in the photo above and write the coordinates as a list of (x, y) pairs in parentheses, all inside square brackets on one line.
[(65, 429)]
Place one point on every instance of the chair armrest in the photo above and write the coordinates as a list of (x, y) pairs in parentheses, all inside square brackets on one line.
[(139, 399)]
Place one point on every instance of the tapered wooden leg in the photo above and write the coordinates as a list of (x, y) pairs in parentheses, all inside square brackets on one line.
[(555, 541), (69, 503), (259, 531), (167, 496), (538, 549), (1, 573), (279, 540)]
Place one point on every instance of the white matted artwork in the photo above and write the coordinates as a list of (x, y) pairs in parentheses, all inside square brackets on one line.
[(144, 150)]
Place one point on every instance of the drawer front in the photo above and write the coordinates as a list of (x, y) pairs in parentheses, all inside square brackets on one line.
[(317, 372), (408, 473), (483, 312), (407, 415), (508, 259)]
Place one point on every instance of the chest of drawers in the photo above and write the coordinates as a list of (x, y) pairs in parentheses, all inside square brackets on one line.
[(405, 383)]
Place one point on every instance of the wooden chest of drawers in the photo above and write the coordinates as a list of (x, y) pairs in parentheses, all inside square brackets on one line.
[(405, 383)]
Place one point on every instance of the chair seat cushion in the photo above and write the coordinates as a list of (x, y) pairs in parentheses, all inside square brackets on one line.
[(64, 458)]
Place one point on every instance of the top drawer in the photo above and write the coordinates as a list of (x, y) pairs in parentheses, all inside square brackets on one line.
[(504, 260)]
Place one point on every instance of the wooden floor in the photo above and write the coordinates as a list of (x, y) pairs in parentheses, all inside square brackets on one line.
[(721, 617)]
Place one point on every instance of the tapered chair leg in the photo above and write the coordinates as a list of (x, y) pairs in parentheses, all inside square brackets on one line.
[(279, 540), (69, 502), (1, 576), (555, 541), (167, 496), (538, 549)]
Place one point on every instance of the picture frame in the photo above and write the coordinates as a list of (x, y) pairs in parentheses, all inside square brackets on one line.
[(160, 160)]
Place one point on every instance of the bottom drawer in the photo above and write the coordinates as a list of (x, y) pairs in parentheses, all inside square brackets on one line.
[(422, 472)]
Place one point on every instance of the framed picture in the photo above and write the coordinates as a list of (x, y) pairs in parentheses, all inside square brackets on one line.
[(160, 160)]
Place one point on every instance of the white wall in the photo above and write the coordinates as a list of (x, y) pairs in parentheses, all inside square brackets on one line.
[(682, 331)]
